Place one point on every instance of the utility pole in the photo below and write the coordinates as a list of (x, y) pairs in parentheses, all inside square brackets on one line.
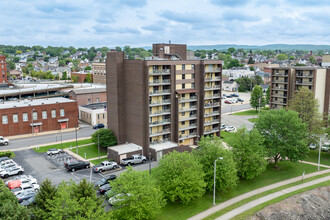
[(61, 141), (98, 146), (76, 141), (149, 163)]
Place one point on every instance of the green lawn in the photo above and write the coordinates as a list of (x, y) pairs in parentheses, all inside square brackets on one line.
[(285, 171), (248, 112), (64, 145), (95, 162), (253, 120), (313, 156), (227, 137), (90, 150)]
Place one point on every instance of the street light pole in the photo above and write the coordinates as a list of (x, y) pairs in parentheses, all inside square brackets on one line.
[(215, 166), (76, 141), (32, 119), (318, 165), (61, 141), (98, 146), (149, 163)]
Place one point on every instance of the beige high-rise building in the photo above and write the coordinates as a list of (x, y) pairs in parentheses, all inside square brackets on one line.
[(99, 73)]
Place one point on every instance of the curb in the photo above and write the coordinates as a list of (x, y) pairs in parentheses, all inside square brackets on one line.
[(42, 133)]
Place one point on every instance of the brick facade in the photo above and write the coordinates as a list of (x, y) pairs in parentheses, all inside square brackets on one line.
[(88, 98), (3, 69)]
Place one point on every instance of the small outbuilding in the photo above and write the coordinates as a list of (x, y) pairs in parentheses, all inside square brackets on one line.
[(122, 151)]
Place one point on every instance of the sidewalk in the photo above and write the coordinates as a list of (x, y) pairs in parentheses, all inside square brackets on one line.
[(236, 199), (254, 203), (42, 133)]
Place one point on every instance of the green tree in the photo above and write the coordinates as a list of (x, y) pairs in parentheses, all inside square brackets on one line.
[(47, 192), (118, 49), (231, 50), (11, 65), (233, 63), (209, 149), (74, 78), (61, 63), (180, 177), (88, 68), (312, 60), (257, 99), (291, 58), (249, 153), (284, 133), (64, 76), (308, 110), (9, 206), (251, 61), (252, 68), (16, 59), (145, 199), (88, 78), (106, 137), (268, 95), (282, 56)]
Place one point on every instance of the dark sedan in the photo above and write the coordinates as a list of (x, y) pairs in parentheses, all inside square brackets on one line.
[(103, 189), (104, 181), (98, 126), (25, 196)]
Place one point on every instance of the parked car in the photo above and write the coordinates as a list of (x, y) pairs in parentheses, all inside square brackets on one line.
[(105, 180), (7, 166), (230, 129), (4, 159), (105, 165), (23, 188), (223, 126), (5, 162), (17, 183), (27, 202), (134, 159), (105, 188), (234, 95), (229, 96), (11, 171), (25, 195), (98, 126), (23, 177), (312, 146), (4, 141), (228, 101), (76, 165), (240, 100), (54, 151), (326, 147), (119, 197)]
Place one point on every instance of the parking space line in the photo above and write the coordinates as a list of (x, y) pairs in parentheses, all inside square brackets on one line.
[(76, 176)]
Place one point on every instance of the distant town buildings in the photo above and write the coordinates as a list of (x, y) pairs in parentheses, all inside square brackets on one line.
[(88, 96), (99, 73), (3, 69)]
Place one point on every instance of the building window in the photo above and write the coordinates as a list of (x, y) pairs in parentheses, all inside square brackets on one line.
[(35, 115), (89, 101), (183, 67), (182, 123), (98, 99), (192, 66), (182, 113), (103, 115), (4, 119), (183, 104), (62, 112), (25, 117), (44, 114), (183, 86), (15, 118), (98, 116), (183, 76), (183, 95), (54, 113)]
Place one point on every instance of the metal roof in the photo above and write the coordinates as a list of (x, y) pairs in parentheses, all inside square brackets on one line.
[(33, 102), (88, 90)]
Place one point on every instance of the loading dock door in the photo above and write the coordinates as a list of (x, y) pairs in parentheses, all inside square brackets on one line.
[(63, 125)]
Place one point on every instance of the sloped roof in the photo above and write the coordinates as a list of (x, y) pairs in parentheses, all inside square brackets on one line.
[(88, 91)]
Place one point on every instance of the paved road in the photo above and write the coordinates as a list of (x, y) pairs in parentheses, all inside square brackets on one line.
[(44, 139), (228, 108), (237, 121)]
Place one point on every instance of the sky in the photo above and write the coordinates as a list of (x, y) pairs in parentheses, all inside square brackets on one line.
[(86, 23)]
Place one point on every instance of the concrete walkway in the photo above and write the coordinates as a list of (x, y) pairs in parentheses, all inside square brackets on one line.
[(252, 193), (254, 203), (315, 164)]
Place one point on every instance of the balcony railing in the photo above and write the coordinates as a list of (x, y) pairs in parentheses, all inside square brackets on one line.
[(209, 105), (304, 75), (162, 112), (279, 88), (162, 102), (280, 95), (213, 70), (212, 113), (211, 122), (159, 82), (304, 83), (210, 79), (212, 87), (212, 96), (190, 135), (278, 102), (160, 132), (190, 126), (281, 74), (160, 122), (190, 99), (160, 141), (160, 92), (208, 131), (160, 72), (191, 117), (191, 108), (280, 81)]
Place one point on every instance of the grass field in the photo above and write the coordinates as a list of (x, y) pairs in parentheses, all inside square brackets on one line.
[(64, 145), (95, 162), (90, 150), (253, 120), (313, 156), (227, 137), (285, 171), (248, 112)]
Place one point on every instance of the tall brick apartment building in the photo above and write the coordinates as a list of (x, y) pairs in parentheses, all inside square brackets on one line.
[(167, 99), (3, 69), (99, 73), (37, 115), (286, 81)]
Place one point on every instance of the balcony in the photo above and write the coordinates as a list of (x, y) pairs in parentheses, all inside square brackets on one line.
[(304, 75), (160, 92), (208, 88), (160, 122), (278, 102), (280, 74), (159, 72), (279, 95), (211, 79), (191, 108), (279, 88), (304, 83), (210, 131), (158, 103), (159, 82), (214, 96), (191, 117), (162, 112), (160, 141), (160, 132), (210, 105), (212, 70), (280, 81), (212, 122), (190, 126), (190, 135), (212, 113), (190, 99)]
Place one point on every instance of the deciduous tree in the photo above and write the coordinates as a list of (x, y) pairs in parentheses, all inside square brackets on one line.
[(209, 149), (249, 153), (257, 99), (180, 177), (143, 197), (284, 133), (282, 56), (106, 137)]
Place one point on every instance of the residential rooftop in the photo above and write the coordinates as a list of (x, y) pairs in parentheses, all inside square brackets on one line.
[(93, 106), (33, 102)]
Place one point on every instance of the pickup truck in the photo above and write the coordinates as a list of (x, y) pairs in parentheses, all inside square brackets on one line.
[(76, 165), (4, 141), (105, 165), (134, 159), (54, 151)]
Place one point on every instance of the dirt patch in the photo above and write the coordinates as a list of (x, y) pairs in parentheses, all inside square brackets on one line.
[(313, 204)]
